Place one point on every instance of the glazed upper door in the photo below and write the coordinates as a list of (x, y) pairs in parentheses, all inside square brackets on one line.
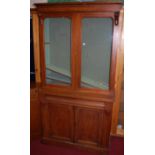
[(57, 45), (96, 52)]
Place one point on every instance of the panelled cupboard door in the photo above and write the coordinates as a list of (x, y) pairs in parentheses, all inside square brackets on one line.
[(92, 126), (77, 122), (88, 126), (59, 121)]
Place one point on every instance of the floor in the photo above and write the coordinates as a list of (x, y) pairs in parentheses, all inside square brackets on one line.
[(37, 148), (116, 145)]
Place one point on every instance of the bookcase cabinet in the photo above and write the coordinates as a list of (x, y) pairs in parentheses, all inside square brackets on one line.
[(78, 48)]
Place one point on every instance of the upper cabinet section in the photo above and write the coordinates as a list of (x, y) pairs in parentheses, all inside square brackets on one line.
[(78, 46)]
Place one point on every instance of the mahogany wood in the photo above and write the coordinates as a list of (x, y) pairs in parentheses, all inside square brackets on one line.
[(35, 115), (35, 24), (71, 114), (74, 90), (79, 7), (77, 31), (43, 63), (98, 150), (119, 75), (61, 121), (77, 121), (88, 126)]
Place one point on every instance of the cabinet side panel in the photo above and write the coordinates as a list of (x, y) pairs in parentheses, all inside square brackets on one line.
[(35, 115)]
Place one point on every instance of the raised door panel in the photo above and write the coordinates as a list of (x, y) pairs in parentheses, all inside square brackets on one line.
[(60, 121), (88, 126)]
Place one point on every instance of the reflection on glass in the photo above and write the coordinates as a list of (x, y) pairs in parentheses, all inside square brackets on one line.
[(57, 36), (96, 52)]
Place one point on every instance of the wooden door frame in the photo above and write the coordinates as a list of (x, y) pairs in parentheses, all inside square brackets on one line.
[(42, 47), (113, 50)]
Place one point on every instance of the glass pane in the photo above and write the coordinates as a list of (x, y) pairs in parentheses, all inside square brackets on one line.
[(57, 36), (96, 52)]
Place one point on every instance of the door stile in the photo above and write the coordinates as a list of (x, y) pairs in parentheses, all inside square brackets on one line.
[(114, 54), (76, 51), (42, 52)]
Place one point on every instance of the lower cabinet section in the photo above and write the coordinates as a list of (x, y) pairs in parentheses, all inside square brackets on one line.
[(77, 122)]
